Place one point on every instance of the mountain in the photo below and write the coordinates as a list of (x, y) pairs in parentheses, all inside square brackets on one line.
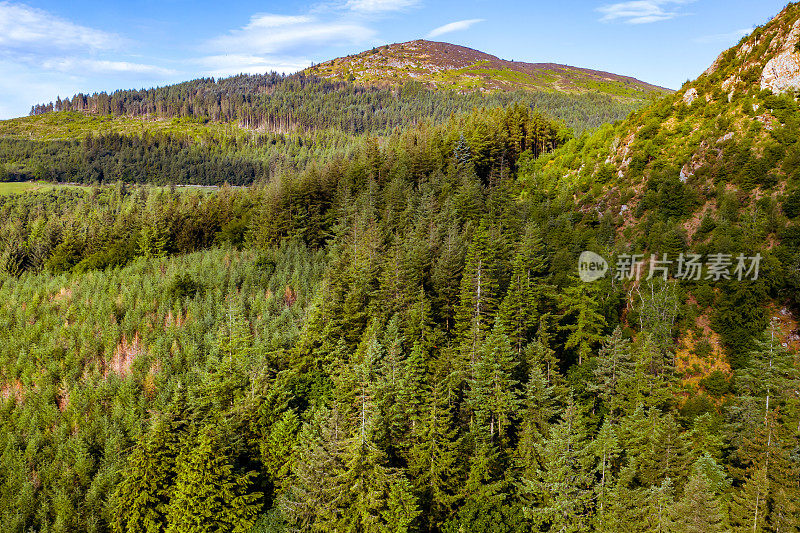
[(450, 66), (208, 131)]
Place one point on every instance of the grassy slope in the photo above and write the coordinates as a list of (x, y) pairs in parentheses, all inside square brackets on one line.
[(7, 188)]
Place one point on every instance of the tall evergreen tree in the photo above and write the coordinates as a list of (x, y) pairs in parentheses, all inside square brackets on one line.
[(209, 496), (479, 293), (560, 497), (582, 319)]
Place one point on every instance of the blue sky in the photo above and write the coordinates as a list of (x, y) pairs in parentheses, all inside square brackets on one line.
[(52, 47)]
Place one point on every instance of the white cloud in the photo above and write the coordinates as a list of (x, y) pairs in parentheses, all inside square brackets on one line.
[(80, 66), (28, 28), (270, 34), (380, 6), (642, 11), (232, 64), (723, 37), (454, 26)]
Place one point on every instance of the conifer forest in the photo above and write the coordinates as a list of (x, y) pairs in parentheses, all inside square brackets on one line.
[(287, 303)]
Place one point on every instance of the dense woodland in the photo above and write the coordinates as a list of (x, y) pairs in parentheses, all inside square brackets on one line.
[(372, 321), (389, 341), (281, 104)]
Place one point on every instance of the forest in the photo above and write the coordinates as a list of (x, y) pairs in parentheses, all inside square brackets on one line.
[(273, 304), (391, 340)]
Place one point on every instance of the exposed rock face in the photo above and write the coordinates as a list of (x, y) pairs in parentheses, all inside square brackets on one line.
[(690, 96), (782, 72)]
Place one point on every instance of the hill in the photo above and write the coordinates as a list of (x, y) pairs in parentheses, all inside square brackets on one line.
[(450, 66), (735, 126), (208, 131), (714, 168)]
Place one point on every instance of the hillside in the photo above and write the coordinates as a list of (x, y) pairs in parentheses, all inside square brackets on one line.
[(209, 131), (736, 124), (714, 168), (450, 66)]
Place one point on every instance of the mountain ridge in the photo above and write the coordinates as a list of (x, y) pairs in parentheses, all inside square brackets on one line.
[(445, 65)]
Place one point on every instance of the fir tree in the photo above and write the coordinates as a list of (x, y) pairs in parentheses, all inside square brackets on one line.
[(582, 318), (209, 496)]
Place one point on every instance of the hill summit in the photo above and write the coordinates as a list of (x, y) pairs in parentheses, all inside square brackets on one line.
[(445, 65)]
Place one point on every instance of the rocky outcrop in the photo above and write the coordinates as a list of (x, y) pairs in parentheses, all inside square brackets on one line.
[(782, 72)]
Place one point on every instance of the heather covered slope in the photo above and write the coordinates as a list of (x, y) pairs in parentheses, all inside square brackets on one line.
[(450, 66)]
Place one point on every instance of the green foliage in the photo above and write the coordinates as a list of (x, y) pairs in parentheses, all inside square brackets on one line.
[(207, 496), (390, 338), (716, 383)]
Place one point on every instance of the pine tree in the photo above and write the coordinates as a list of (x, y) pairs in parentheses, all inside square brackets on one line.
[(209, 496), (582, 318), (700, 510)]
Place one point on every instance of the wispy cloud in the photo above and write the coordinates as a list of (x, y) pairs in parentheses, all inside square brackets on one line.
[(28, 28), (280, 42), (380, 6), (231, 64), (43, 55), (270, 34), (85, 66), (723, 37), (454, 26), (642, 11)]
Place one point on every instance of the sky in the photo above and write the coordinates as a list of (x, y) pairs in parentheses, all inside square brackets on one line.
[(53, 48)]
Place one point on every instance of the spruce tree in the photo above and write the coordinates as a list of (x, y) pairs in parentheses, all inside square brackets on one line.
[(700, 510), (209, 496), (582, 319)]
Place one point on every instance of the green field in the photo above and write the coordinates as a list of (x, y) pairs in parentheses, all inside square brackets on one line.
[(74, 125), (15, 187)]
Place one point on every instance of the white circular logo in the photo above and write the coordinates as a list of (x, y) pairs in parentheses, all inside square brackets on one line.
[(591, 267)]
